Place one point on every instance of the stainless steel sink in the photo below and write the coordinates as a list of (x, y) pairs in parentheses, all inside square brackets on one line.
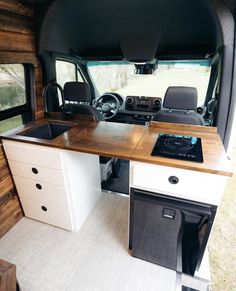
[(48, 130)]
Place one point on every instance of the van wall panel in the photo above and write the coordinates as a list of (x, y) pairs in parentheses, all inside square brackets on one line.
[(12, 41), (17, 45), (7, 57), (10, 214), (20, 24), (10, 209), (16, 7)]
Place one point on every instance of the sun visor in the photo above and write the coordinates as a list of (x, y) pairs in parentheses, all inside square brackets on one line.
[(139, 48)]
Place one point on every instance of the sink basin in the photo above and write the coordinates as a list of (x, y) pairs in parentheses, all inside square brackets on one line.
[(48, 131)]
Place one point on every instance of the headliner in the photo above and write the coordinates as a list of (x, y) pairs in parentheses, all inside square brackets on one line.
[(166, 29)]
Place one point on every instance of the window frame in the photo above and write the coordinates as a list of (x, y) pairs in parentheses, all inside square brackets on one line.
[(24, 110)]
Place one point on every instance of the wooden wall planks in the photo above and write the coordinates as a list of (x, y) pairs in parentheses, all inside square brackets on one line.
[(17, 45), (10, 209), (15, 7), (39, 100), (6, 183), (21, 24), (10, 213), (16, 42), (7, 57)]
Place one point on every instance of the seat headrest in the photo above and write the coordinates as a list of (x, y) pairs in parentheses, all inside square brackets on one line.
[(77, 91), (182, 98)]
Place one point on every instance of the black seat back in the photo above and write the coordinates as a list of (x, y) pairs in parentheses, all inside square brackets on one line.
[(179, 104), (76, 93)]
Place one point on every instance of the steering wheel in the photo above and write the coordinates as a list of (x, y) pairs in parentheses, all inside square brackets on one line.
[(108, 108)]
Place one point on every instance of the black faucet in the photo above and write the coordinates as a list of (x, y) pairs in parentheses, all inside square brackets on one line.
[(66, 113)]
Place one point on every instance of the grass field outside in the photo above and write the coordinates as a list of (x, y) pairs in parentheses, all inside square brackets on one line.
[(10, 123)]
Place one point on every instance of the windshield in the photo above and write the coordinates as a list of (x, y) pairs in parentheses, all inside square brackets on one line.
[(119, 77)]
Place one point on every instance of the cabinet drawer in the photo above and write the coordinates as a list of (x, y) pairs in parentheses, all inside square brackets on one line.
[(33, 154), (42, 192), (187, 184), (38, 173), (50, 214)]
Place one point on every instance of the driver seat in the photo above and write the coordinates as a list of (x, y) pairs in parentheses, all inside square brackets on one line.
[(78, 98)]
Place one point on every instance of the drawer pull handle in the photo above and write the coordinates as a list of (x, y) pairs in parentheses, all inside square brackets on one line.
[(173, 180), (38, 186), (35, 171), (44, 208)]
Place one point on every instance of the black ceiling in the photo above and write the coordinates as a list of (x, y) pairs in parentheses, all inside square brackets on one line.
[(108, 29)]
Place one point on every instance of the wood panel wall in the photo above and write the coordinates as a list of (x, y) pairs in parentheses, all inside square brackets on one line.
[(17, 45), (10, 208), (17, 42)]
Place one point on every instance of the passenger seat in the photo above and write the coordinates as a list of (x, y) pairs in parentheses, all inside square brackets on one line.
[(180, 104)]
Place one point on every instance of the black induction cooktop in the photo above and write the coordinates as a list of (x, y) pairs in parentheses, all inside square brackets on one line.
[(179, 147)]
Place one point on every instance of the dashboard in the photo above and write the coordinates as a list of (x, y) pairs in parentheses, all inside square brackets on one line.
[(137, 109), (131, 109)]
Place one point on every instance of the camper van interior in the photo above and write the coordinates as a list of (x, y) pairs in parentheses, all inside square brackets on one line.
[(115, 120)]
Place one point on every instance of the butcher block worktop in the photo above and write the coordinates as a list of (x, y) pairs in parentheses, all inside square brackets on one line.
[(215, 159), (130, 142)]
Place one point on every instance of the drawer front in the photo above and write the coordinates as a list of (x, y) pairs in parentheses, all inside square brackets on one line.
[(191, 185), (42, 192), (38, 173), (33, 154), (47, 214)]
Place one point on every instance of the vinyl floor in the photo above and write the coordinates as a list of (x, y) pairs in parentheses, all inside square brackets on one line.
[(94, 259)]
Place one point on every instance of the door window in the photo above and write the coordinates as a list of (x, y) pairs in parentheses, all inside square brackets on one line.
[(67, 72)]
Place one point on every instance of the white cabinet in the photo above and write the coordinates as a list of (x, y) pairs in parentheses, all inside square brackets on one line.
[(55, 186), (187, 184)]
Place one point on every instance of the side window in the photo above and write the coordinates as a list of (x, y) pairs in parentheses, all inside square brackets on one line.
[(67, 72), (13, 99)]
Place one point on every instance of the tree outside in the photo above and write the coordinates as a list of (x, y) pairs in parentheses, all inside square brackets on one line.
[(12, 92)]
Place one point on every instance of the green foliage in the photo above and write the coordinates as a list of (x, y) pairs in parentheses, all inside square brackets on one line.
[(12, 93), (12, 86), (11, 96), (10, 123)]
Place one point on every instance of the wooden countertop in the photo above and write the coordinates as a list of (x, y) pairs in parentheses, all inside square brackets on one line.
[(215, 159), (131, 142), (108, 139)]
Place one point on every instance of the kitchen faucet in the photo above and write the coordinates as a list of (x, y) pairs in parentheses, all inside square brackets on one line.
[(44, 95)]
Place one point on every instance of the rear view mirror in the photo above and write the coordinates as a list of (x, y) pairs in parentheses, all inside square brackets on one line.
[(145, 69)]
